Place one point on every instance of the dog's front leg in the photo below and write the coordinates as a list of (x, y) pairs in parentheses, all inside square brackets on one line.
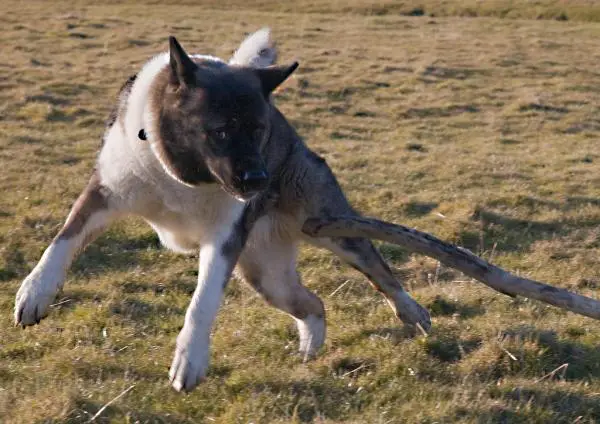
[(217, 260), (91, 214)]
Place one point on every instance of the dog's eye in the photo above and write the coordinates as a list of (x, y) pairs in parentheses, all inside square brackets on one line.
[(220, 135)]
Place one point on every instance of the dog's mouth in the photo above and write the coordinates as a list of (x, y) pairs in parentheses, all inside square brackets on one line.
[(247, 185), (241, 194), (246, 197)]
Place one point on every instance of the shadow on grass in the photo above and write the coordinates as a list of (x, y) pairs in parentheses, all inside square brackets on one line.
[(92, 371), (142, 311), (115, 252), (432, 74), (326, 394), (494, 415), (438, 112), (449, 348), (128, 307), (85, 409), (443, 307), (109, 252), (508, 234), (561, 402), (543, 352), (394, 334), (528, 352), (13, 260), (312, 397), (416, 209), (533, 405)]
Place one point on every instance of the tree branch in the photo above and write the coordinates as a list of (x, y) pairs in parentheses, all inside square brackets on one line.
[(454, 257)]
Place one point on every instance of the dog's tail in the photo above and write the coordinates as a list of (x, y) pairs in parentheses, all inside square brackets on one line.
[(257, 50)]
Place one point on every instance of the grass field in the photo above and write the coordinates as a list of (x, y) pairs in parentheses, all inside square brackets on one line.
[(483, 131)]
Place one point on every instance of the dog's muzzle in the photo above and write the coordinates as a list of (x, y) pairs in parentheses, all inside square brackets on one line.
[(254, 181)]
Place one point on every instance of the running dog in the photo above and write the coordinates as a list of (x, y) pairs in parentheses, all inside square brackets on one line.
[(197, 148)]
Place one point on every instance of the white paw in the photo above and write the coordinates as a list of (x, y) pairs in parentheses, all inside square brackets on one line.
[(35, 295), (190, 362), (312, 335)]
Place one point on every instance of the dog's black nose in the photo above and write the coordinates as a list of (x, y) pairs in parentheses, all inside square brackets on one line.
[(255, 180)]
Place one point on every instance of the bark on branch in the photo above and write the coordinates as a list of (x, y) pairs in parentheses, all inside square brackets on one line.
[(454, 257)]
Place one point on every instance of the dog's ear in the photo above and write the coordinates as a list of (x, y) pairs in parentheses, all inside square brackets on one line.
[(273, 76), (183, 68)]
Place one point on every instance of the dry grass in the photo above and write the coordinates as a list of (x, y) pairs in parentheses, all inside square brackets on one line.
[(481, 131)]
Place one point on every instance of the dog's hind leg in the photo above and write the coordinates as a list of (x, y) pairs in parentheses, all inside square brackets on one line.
[(320, 195), (363, 256), (90, 215), (270, 268)]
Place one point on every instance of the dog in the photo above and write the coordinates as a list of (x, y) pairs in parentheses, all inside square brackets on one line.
[(196, 147)]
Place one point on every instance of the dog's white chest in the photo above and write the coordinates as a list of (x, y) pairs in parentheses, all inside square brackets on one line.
[(182, 216)]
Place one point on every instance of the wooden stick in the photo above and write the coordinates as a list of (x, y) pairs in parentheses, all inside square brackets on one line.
[(454, 257)]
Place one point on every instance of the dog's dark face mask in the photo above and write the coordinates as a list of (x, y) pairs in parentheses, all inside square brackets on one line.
[(213, 120)]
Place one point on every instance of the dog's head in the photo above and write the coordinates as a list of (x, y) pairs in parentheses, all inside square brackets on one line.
[(211, 121)]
